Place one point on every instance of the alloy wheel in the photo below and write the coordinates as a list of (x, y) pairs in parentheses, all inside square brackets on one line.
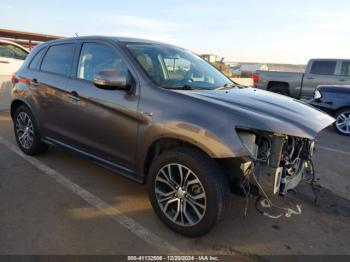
[(343, 122), (180, 195), (24, 130)]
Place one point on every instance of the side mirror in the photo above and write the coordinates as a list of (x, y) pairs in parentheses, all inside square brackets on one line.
[(111, 79)]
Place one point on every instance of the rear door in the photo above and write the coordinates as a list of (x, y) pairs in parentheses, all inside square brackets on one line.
[(103, 122), (320, 72), (48, 82)]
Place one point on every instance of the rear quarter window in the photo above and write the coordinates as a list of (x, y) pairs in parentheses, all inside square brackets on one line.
[(323, 67), (58, 59), (35, 62)]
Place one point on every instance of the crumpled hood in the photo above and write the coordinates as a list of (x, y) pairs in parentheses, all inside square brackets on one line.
[(263, 110)]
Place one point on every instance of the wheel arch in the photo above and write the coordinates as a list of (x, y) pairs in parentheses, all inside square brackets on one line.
[(340, 109), (17, 103), (279, 87), (165, 144), (272, 84)]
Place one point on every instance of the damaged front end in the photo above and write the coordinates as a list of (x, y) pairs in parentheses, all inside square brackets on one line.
[(279, 162)]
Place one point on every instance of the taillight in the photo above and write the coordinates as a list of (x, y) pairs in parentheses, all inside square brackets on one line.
[(255, 77), (14, 79)]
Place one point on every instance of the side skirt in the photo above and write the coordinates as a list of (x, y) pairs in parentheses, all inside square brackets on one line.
[(114, 167)]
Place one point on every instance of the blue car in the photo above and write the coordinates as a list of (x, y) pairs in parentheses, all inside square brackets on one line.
[(335, 100)]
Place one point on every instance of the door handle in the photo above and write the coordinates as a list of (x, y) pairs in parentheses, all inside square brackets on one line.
[(74, 97), (34, 82), (342, 80), (4, 62), (310, 78)]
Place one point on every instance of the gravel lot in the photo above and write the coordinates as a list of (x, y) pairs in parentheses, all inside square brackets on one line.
[(61, 203)]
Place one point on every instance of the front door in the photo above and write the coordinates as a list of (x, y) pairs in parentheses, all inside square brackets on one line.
[(105, 121)]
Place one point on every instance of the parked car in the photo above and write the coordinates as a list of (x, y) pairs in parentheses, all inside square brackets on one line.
[(189, 133), (12, 56), (335, 100), (302, 85)]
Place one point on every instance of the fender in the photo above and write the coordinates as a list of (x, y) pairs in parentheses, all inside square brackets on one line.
[(19, 100), (195, 135), (21, 94)]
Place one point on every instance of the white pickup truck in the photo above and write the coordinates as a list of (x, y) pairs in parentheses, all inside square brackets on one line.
[(302, 85)]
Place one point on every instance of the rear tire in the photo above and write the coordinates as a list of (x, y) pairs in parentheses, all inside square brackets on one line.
[(342, 124), (27, 133), (173, 199)]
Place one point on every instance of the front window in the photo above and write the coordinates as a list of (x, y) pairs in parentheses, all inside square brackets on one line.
[(95, 57), (173, 67)]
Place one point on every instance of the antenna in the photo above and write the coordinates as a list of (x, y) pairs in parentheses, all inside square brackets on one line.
[(76, 35)]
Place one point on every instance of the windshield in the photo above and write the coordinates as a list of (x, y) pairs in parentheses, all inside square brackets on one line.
[(172, 67)]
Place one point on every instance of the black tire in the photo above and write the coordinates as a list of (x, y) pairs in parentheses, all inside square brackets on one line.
[(345, 111), (212, 179), (36, 147), (280, 89)]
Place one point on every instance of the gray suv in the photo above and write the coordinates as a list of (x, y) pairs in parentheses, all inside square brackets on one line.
[(159, 114)]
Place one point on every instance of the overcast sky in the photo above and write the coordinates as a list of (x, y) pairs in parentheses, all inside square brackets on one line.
[(247, 30)]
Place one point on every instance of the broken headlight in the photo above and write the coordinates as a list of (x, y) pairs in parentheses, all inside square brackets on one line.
[(279, 160), (248, 140)]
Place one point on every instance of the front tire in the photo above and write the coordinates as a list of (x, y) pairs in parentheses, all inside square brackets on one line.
[(188, 191), (27, 133)]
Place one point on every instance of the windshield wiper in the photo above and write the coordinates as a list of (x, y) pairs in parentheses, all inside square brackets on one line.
[(226, 86), (230, 85), (184, 87)]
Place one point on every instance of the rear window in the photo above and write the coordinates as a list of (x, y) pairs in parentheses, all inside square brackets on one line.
[(58, 59), (323, 67)]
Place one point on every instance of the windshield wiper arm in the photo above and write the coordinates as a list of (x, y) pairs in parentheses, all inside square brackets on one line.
[(231, 85), (226, 86), (184, 87)]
